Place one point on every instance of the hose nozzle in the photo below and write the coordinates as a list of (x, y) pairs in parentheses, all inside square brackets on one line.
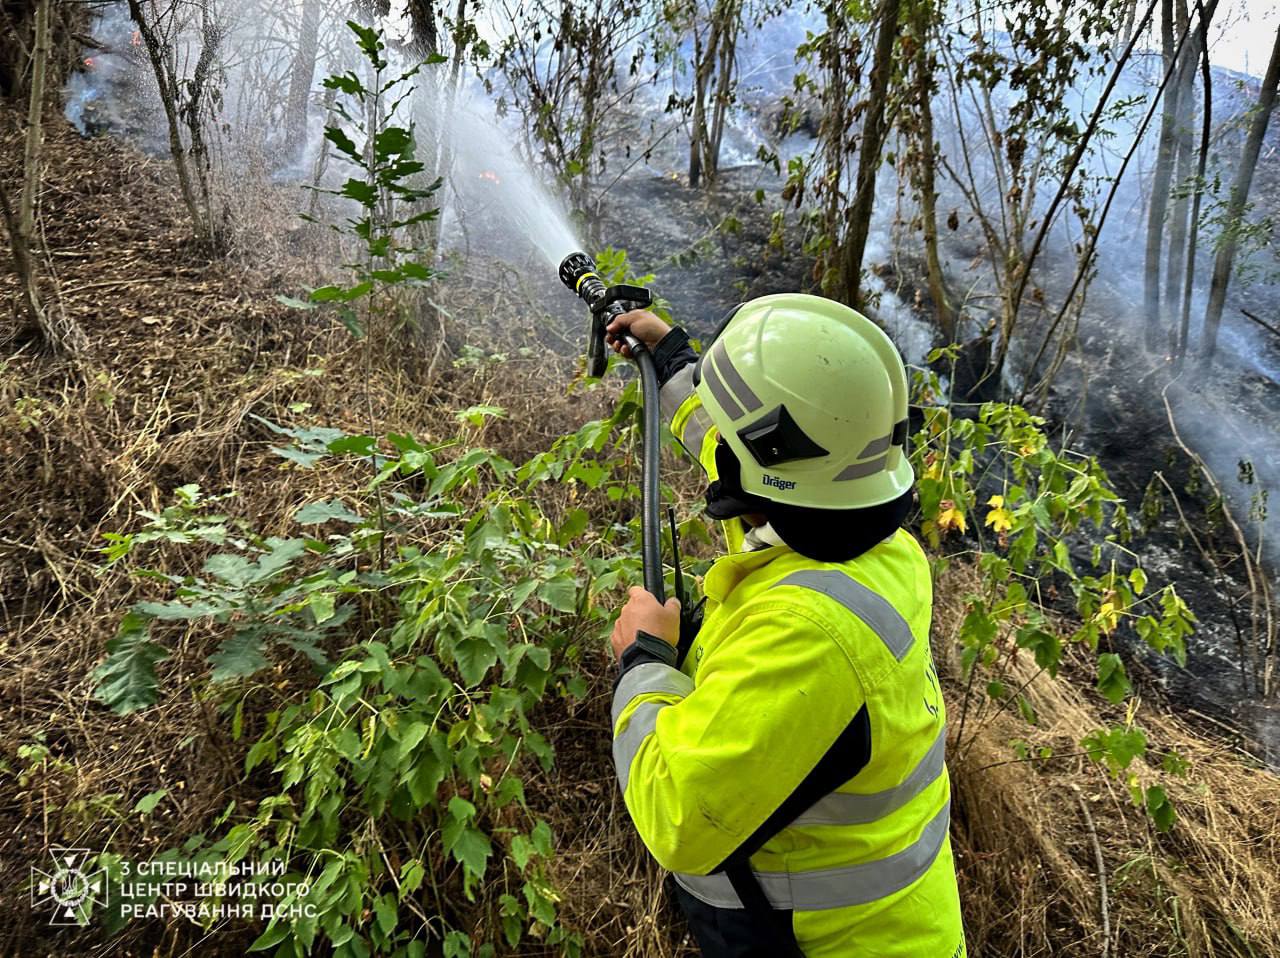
[(578, 273)]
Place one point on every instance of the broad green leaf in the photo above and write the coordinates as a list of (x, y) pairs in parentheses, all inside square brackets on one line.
[(392, 141), (334, 134), (475, 656), (354, 445), (238, 657), (1160, 808), (411, 737), (560, 593), (351, 321), (234, 570), (314, 513), (294, 303), (468, 845), (321, 604), (385, 909), (126, 681), (281, 555), (1113, 683), (147, 803), (274, 934)]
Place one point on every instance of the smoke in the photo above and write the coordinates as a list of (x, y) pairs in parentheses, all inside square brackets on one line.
[(491, 202), (112, 89)]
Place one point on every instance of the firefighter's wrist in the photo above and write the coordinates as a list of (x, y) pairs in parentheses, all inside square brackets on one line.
[(647, 647)]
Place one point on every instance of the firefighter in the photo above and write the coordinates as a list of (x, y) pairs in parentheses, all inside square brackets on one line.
[(784, 757)]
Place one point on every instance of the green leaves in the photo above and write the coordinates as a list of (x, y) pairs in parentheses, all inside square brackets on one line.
[(369, 40), (468, 845), (238, 657), (385, 189), (126, 681), (425, 716), (1159, 808), (1117, 746), (1113, 683), (474, 655), (147, 803), (314, 513)]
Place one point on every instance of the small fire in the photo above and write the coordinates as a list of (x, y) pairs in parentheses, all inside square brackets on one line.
[(89, 63), (489, 176)]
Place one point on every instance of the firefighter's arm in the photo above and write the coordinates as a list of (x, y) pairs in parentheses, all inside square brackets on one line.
[(675, 361), (702, 768)]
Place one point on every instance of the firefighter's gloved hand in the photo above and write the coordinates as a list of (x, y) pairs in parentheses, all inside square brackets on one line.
[(640, 323), (642, 613)]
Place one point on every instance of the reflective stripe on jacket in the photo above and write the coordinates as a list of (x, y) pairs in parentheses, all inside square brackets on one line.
[(789, 655)]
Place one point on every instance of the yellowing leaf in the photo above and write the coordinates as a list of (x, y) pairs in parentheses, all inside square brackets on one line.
[(999, 519), (951, 518), (1107, 617)]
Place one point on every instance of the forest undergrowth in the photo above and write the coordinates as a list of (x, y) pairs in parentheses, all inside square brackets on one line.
[(198, 377)]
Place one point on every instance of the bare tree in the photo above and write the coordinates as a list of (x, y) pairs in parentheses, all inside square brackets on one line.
[(917, 117), (1184, 79), (1198, 185), (566, 70), (875, 128), (714, 53), (1230, 238), (1161, 178), (60, 332), (184, 100), (301, 76)]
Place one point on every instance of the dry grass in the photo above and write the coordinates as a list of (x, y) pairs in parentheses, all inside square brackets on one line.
[(1028, 833), (184, 351)]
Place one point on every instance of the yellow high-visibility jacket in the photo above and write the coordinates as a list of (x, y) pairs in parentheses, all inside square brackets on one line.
[(793, 658)]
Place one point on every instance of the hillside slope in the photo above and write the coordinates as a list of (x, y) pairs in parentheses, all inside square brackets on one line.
[(187, 353)]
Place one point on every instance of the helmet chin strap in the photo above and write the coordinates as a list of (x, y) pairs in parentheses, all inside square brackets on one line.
[(726, 498)]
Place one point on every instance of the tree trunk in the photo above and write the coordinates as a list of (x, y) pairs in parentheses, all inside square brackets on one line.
[(169, 99), (22, 226), (1160, 181), (874, 130), (1126, 32), (40, 42), (1239, 197), (58, 331), (1206, 129), (1182, 169), (922, 15), (426, 29), (704, 62), (301, 77), (731, 27)]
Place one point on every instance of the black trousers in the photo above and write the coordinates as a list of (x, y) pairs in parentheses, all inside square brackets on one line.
[(736, 932)]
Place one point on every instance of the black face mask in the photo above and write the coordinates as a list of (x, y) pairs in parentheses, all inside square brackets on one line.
[(726, 499), (825, 535)]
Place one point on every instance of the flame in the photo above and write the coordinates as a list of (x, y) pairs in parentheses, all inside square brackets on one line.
[(489, 176), (89, 64)]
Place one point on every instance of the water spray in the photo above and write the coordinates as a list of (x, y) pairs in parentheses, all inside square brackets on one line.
[(578, 272)]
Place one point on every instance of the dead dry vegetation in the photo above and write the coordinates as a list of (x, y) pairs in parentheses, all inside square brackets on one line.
[(1053, 858)]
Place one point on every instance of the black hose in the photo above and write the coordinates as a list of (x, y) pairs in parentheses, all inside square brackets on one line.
[(650, 489), (578, 273)]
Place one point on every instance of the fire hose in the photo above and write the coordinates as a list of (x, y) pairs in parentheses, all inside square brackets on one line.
[(578, 272)]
